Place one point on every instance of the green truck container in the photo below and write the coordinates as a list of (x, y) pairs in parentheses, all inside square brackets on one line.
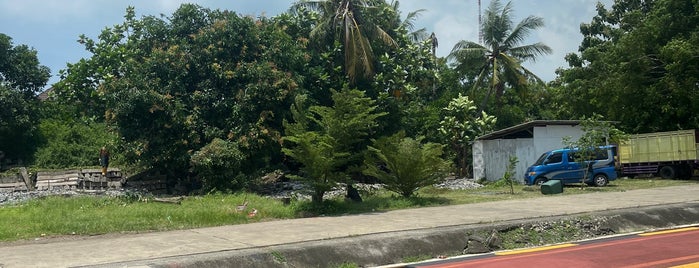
[(672, 154)]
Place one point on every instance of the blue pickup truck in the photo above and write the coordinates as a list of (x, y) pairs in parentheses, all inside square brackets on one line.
[(560, 165)]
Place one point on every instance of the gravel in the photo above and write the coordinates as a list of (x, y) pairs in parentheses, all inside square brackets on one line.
[(297, 190), (11, 198), (458, 184)]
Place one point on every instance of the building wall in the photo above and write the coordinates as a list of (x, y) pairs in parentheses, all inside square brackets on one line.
[(551, 137), (494, 156), (491, 157)]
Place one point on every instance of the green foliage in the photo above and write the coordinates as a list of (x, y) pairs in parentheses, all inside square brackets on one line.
[(638, 64), (170, 86), (18, 117), (21, 77), (324, 140), (319, 160), (355, 25), (20, 69), (509, 178), (596, 133), (461, 126), (68, 144), (90, 215), (278, 256), (501, 55), (404, 164), (347, 265), (219, 165), (418, 258)]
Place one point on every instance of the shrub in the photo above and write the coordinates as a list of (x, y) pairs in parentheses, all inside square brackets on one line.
[(73, 144), (405, 164), (218, 165)]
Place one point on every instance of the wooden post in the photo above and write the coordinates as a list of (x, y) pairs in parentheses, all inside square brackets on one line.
[(27, 180)]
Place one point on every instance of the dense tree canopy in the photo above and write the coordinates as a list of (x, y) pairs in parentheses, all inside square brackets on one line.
[(638, 64), (213, 99), (173, 85), (21, 77), (350, 23)]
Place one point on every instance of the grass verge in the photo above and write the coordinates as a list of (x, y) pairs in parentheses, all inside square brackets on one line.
[(92, 215)]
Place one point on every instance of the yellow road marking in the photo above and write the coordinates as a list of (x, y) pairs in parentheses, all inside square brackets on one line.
[(512, 252), (688, 265), (670, 231)]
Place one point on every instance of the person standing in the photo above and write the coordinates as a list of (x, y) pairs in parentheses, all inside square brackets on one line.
[(104, 160)]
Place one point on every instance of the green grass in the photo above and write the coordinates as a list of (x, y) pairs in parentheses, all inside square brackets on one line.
[(91, 215)]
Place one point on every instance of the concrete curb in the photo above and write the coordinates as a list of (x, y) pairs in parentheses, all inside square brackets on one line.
[(393, 247)]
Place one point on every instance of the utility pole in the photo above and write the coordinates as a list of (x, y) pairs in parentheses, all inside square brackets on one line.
[(480, 24)]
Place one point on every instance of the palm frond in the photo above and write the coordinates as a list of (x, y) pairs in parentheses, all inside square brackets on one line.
[(497, 23), (522, 30), (296, 6), (409, 22), (530, 52)]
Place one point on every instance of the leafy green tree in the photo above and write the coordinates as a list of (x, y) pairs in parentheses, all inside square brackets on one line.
[(21, 77), (461, 125), (20, 68), (404, 164), (500, 56), (326, 141), (319, 160), (172, 85), (408, 24), (596, 133), (74, 143), (509, 177), (638, 64), (351, 24)]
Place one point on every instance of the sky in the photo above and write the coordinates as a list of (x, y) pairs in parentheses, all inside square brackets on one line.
[(52, 27)]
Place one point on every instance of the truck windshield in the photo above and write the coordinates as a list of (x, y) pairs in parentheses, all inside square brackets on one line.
[(541, 159)]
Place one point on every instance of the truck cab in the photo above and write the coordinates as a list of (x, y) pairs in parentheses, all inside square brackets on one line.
[(561, 165)]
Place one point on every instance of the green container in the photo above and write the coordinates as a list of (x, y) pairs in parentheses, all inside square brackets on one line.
[(552, 187)]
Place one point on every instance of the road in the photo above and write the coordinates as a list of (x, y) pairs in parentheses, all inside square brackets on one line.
[(668, 248)]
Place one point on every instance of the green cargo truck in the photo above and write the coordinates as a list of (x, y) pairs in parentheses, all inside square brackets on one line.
[(672, 154)]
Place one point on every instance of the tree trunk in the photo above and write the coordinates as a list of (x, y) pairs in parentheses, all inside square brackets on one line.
[(317, 197)]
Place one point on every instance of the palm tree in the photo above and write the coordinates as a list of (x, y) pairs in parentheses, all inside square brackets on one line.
[(349, 22), (408, 24), (500, 56)]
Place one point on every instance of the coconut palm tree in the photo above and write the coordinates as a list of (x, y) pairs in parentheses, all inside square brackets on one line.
[(414, 35), (500, 56), (350, 23)]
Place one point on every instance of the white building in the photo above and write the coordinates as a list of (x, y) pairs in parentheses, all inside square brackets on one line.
[(527, 141)]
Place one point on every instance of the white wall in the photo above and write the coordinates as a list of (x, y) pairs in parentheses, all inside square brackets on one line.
[(491, 157), (551, 137)]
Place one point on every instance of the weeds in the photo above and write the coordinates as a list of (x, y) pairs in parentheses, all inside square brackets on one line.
[(278, 257)]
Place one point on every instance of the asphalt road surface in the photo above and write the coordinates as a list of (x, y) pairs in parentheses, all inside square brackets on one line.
[(669, 248)]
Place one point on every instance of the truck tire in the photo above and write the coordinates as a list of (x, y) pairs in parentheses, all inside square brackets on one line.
[(684, 172), (667, 172)]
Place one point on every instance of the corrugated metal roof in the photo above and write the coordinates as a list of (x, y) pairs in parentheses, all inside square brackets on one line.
[(525, 130)]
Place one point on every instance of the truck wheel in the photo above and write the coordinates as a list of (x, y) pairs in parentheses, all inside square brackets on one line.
[(540, 181), (667, 172), (600, 180), (685, 172)]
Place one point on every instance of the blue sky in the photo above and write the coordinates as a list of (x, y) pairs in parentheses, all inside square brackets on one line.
[(52, 27)]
